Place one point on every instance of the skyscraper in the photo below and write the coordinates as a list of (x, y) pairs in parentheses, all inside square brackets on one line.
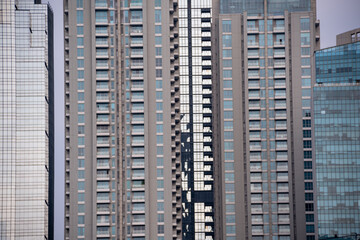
[(26, 120), (337, 136), (262, 65), (196, 111), (189, 119), (151, 157), (122, 120), (92, 120)]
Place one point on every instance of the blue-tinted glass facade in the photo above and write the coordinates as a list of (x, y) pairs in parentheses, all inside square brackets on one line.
[(279, 6), (340, 64), (255, 7), (337, 140)]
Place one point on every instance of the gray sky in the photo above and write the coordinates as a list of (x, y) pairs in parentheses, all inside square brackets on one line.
[(336, 16)]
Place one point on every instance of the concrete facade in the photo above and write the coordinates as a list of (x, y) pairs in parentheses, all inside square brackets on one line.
[(263, 141), (348, 37)]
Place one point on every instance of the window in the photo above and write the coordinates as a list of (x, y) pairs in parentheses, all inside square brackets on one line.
[(157, 16), (306, 92), (305, 72), (101, 16), (80, 41), (159, 84), (307, 165), (305, 51), (81, 185), (81, 219), (305, 61), (158, 73), (228, 135), (79, 4), (80, 30), (308, 175), (307, 133), (307, 154), (309, 207), (227, 40), (305, 39), (158, 62), (308, 186), (306, 123), (79, 16), (81, 141), (81, 118), (228, 125), (310, 228), (80, 63), (81, 208), (81, 231), (227, 73), (80, 52), (307, 144), (305, 24), (81, 163), (228, 114), (158, 51), (158, 29), (226, 26), (309, 217), (227, 83), (227, 53)]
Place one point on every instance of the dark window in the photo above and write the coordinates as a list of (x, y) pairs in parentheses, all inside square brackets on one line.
[(307, 154), (308, 186), (309, 217), (310, 228), (306, 123), (307, 144), (307, 133), (309, 207), (309, 196), (307, 165), (308, 175)]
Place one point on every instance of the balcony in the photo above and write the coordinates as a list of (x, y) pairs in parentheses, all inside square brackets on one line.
[(136, 20), (137, 52), (101, 42), (102, 53), (103, 163), (101, 3), (252, 29), (102, 75), (279, 44), (279, 28), (282, 166)]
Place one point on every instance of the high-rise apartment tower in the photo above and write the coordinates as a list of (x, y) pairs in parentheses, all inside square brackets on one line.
[(122, 120), (263, 72), (151, 127), (92, 163), (26, 120)]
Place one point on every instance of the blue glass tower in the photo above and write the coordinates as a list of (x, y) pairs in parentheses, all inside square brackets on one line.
[(337, 139)]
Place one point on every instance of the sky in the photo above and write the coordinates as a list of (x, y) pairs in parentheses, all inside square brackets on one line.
[(336, 16)]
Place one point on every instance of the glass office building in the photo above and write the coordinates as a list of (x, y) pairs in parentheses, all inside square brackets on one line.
[(195, 18), (337, 139), (257, 7), (263, 74), (26, 120)]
